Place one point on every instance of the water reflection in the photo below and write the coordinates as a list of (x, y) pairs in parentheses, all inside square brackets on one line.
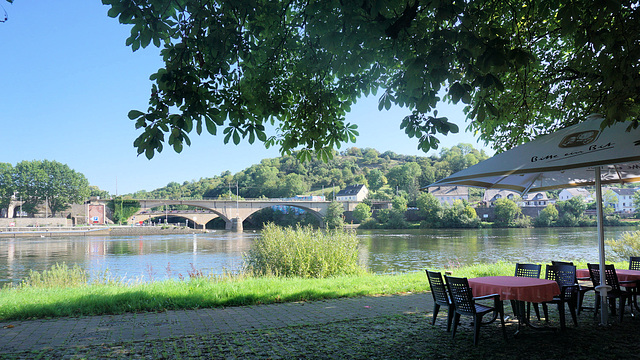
[(144, 258), (399, 251), (131, 258)]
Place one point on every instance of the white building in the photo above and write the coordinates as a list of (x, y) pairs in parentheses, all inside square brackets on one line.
[(567, 194), (530, 199), (449, 194), (624, 199), (352, 193)]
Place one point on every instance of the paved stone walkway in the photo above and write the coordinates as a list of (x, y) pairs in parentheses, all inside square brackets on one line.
[(93, 330)]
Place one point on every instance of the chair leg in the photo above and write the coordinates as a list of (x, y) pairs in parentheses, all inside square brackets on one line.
[(536, 309), (597, 307), (450, 313), (500, 308), (580, 301), (545, 309), (456, 319), (572, 309), (622, 302), (476, 329), (563, 322), (436, 309)]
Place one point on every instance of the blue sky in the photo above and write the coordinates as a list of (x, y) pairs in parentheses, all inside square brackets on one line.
[(67, 82)]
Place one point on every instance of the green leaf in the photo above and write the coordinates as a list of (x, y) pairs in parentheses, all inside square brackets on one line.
[(145, 38), (211, 126), (134, 114)]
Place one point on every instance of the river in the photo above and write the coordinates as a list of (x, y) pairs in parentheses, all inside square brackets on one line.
[(158, 257)]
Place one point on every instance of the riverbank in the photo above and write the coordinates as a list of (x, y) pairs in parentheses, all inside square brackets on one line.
[(153, 230), (45, 232), (58, 231)]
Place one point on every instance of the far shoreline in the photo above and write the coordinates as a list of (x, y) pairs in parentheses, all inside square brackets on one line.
[(56, 231)]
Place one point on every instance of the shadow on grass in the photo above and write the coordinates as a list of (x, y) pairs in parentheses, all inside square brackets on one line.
[(141, 301)]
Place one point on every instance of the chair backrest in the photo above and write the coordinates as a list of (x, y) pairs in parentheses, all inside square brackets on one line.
[(565, 276), (461, 295), (562, 263), (634, 263), (438, 288), (610, 276), (528, 270)]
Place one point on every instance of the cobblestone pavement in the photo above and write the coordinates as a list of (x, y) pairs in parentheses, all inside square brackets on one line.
[(32, 335)]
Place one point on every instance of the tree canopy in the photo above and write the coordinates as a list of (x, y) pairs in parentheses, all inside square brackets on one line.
[(522, 68), (47, 182)]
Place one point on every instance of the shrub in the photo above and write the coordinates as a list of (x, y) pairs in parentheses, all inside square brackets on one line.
[(59, 276), (362, 212), (334, 219), (547, 216), (303, 252), (506, 212), (626, 246)]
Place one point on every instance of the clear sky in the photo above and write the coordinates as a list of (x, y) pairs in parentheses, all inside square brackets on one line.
[(67, 82)]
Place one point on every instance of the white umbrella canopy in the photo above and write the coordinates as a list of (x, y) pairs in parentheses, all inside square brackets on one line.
[(576, 156)]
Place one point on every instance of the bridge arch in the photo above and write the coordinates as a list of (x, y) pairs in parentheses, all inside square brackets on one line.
[(234, 212), (317, 215)]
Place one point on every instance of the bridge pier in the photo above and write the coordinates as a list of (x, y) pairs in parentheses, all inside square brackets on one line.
[(235, 225)]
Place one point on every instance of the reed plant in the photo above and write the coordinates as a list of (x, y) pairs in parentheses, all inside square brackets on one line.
[(60, 275), (303, 252)]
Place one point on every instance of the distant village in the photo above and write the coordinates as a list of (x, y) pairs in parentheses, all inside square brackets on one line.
[(619, 199)]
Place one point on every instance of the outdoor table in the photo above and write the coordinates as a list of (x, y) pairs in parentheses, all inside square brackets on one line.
[(623, 275), (626, 278), (519, 290)]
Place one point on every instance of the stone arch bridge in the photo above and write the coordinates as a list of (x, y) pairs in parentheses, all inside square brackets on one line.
[(233, 212)]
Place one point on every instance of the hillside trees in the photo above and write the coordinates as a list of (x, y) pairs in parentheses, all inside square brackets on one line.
[(376, 179), (406, 178), (274, 178), (521, 68)]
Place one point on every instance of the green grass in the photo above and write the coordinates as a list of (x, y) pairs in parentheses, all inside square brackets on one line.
[(46, 298)]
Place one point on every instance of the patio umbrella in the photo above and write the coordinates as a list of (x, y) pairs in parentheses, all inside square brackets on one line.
[(576, 156)]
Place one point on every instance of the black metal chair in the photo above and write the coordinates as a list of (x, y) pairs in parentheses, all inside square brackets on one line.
[(611, 279), (584, 285), (440, 297), (530, 271), (565, 276), (465, 304), (634, 264)]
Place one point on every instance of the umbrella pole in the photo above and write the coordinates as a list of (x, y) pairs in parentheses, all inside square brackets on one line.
[(603, 288)]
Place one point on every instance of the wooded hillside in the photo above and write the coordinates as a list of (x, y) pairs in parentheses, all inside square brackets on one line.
[(385, 174)]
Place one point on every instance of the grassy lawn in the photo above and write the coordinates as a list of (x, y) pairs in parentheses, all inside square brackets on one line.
[(66, 292)]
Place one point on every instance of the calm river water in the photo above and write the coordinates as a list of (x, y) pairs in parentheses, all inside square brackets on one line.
[(173, 256)]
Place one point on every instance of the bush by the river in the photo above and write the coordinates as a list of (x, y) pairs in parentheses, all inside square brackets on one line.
[(303, 252), (626, 246)]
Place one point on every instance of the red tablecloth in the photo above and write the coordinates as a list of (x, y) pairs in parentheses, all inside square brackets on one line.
[(623, 275), (515, 288)]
